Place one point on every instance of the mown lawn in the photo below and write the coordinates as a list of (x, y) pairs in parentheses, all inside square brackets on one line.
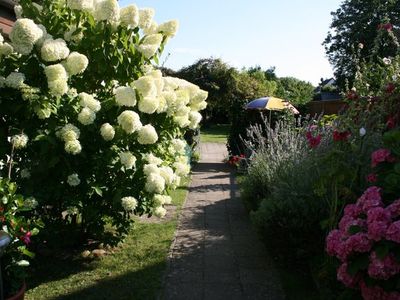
[(215, 133), (133, 271)]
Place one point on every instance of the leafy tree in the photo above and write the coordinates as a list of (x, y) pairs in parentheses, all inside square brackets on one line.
[(297, 92), (362, 30), (216, 77)]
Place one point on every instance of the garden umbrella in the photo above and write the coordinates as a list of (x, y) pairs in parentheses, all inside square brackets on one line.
[(271, 103)]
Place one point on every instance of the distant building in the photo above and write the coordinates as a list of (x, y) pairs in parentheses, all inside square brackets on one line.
[(327, 99), (7, 16)]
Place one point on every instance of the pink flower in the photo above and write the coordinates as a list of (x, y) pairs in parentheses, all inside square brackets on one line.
[(352, 210), (345, 277), (358, 242), (372, 292), (334, 242), (390, 87), (370, 198), (378, 220), (379, 156), (372, 178), (394, 208), (26, 238), (347, 221), (393, 232), (383, 268)]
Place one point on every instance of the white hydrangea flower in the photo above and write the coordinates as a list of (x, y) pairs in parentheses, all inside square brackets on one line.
[(129, 121), (155, 183), (181, 169), (86, 116), (128, 160), (76, 63), (15, 80), (19, 141), (18, 11), (179, 145), (85, 5), (160, 200), (25, 173), (199, 97), (129, 203), (55, 72), (182, 97), (162, 105), (168, 174), (362, 131), (147, 135), (58, 87), (169, 28), (6, 49), (73, 147), (152, 29), (87, 100), (150, 168), (45, 36), (151, 159), (24, 34), (1, 38), (194, 118), (182, 111), (170, 84), (198, 106), (145, 17), (69, 35), (73, 180), (176, 182), (146, 86), (150, 45), (68, 132), (54, 50), (31, 203), (125, 96), (129, 16), (107, 10), (42, 112), (2, 82), (182, 121), (160, 212), (107, 132), (148, 105)]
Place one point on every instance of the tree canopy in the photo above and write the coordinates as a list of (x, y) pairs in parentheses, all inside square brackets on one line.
[(362, 30)]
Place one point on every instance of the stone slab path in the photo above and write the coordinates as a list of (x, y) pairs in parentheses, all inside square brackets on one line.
[(216, 253)]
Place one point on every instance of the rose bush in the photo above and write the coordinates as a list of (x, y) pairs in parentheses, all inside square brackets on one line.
[(94, 125)]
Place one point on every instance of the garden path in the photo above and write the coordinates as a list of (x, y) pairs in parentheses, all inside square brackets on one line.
[(216, 254)]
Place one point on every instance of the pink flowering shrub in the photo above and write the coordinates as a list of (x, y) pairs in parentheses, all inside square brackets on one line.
[(367, 240)]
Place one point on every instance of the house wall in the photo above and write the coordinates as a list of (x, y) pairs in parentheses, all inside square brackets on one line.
[(7, 17)]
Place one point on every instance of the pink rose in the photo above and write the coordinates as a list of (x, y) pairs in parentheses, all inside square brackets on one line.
[(370, 198), (345, 277), (393, 232), (383, 268)]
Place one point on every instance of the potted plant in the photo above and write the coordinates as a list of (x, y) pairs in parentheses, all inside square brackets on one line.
[(17, 219)]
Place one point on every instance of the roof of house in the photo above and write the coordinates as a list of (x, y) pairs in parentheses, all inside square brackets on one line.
[(7, 16)]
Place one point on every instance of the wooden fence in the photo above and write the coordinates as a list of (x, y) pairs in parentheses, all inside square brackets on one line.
[(326, 107)]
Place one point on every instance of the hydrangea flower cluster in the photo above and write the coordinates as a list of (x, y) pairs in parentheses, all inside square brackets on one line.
[(366, 240), (116, 119)]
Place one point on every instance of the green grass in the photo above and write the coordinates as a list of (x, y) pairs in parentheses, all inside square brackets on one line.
[(133, 271), (215, 133)]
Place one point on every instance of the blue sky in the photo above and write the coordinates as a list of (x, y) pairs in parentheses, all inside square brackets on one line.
[(286, 34)]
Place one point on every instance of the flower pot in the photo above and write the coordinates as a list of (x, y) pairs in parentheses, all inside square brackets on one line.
[(20, 295)]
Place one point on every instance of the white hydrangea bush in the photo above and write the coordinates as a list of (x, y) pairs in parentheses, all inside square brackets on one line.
[(89, 116)]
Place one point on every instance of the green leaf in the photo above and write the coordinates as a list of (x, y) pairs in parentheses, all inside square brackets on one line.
[(27, 253), (381, 251), (353, 229), (98, 190), (359, 263)]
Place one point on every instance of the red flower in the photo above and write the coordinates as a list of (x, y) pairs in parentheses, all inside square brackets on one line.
[(386, 26), (352, 95), (26, 238), (390, 87), (340, 136), (315, 141), (391, 122), (372, 178)]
